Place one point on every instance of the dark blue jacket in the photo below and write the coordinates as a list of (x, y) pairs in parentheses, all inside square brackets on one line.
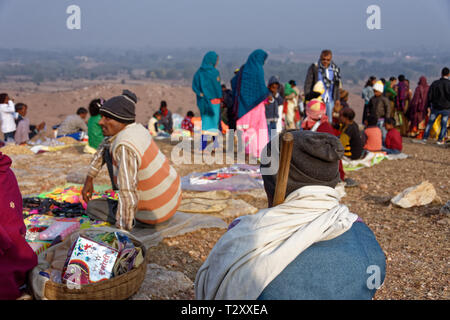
[(272, 108), (347, 267)]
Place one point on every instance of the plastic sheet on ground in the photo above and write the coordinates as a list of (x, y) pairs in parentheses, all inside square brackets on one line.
[(399, 156), (224, 208), (371, 159), (181, 223), (176, 120), (38, 148), (233, 178)]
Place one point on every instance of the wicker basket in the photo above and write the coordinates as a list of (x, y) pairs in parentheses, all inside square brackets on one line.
[(117, 288)]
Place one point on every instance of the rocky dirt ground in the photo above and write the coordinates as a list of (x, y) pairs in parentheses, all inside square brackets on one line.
[(414, 240)]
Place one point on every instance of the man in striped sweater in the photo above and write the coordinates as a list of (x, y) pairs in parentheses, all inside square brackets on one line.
[(149, 187)]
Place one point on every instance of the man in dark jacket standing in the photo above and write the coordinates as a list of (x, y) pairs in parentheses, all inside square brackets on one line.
[(379, 107), (439, 102), (325, 70)]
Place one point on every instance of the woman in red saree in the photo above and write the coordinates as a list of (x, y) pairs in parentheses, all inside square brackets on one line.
[(417, 111), (16, 256), (402, 104)]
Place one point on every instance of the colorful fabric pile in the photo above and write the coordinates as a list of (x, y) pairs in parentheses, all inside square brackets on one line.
[(43, 231), (71, 193), (52, 216)]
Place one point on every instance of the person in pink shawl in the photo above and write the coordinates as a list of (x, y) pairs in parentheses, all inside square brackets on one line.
[(250, 95), (16, 256), (417, 111)]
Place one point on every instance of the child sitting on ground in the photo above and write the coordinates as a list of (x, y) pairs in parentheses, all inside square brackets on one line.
[(187, 124), (153, 123), (25, 131), (373, 138), (350, 136), (393, 142)]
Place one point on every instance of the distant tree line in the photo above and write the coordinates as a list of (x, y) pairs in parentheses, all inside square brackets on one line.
[(38, 66)]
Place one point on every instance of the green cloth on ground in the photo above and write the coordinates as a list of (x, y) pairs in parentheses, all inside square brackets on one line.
[(370, 160)]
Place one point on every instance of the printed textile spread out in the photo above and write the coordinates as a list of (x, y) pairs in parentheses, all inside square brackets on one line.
[(236, 177), (72, 193), (52, 216), (371, 159)]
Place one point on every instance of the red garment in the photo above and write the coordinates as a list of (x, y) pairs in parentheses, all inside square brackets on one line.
[(187, 124), (327, 128), (16, 256), (297, 115), (374, 141), (417, 110), (393, 140)]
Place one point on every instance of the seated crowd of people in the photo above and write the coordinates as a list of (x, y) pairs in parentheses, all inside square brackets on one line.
[(308, 247)]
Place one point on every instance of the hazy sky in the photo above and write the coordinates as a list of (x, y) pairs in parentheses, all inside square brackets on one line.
[(336, 24)]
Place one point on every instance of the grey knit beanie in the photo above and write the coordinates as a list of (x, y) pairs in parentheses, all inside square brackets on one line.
[(121, 108), (315, 161)]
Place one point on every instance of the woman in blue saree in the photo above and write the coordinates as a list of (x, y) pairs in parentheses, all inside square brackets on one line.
[(207, 87)]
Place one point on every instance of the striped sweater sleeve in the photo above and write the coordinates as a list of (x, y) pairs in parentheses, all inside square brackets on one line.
[(97, 161), (127, 182)]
